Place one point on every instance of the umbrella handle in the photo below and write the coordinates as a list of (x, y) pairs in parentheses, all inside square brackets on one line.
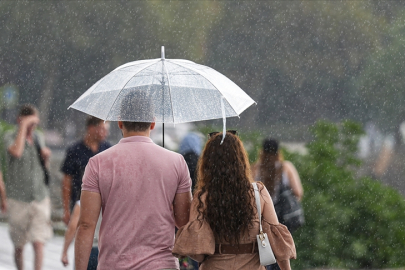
[(223, 119)]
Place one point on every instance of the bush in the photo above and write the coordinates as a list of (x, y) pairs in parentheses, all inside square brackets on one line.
[(350, 223), (3, 128)]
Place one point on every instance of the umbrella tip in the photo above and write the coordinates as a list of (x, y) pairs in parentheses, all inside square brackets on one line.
[(163, 52)]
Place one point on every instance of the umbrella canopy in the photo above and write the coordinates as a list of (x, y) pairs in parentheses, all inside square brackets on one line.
[(180, 91)]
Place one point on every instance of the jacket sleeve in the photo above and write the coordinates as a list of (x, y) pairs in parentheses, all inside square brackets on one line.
[(280, 240), (194, 238)]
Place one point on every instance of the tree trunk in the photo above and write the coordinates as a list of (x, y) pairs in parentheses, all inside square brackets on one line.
[(46, 101)]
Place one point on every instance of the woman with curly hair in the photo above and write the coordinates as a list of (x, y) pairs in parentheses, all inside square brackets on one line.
[(224, 223)]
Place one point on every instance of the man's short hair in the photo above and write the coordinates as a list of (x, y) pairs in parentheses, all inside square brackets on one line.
[(138, 106), (92, 121), (27, 110)]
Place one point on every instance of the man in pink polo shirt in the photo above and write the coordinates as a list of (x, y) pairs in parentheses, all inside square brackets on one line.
[(143, 191)]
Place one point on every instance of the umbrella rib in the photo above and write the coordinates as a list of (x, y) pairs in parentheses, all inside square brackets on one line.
[(124, 87), (170, 89), (207, 80)]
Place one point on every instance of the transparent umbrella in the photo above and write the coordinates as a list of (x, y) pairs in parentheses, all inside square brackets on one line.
[(180, 91)]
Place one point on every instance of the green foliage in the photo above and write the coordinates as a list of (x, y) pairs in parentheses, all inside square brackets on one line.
[(296, 58), (350, 223)]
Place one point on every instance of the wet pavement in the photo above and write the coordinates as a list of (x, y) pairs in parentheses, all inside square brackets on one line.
[(53, 251)]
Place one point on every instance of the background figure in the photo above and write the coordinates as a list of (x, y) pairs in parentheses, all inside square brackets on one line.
[(190, 149), (29, 205), (77, 157), (70, 235), (273, 171), (3, 197), (223, 212)]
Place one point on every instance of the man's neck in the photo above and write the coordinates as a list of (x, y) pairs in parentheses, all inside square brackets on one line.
[(136, 133)]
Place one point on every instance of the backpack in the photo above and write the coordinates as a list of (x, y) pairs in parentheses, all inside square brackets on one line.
[(288, 209)]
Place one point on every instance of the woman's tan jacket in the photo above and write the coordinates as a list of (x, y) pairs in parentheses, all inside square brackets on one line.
[(196, 238)]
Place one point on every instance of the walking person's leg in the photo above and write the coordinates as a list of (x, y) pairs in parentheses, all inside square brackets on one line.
[(39, 255), (18, 258), (18, 222), (40, 229)]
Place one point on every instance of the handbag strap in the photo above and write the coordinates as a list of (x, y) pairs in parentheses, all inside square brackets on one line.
[(259, 210)]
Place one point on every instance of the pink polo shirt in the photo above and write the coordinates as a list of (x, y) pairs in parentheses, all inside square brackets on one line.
[(137, 181)]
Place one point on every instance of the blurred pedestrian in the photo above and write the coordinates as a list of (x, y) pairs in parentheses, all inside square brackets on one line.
[(271, 169), (224, 223), (143, 190), (190, 149), (29, 205), (3, 197), (70, 235), (77, 157), (274, 172)]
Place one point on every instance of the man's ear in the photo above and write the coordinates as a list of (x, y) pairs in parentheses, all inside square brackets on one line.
[(120, 125), (152, 126)]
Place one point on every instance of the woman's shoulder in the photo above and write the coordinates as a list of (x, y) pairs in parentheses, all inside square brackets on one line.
[(287, 165), (260, 185), (262, 189)]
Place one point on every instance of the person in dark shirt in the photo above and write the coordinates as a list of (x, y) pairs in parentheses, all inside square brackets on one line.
[(77, 157), (190, 149)]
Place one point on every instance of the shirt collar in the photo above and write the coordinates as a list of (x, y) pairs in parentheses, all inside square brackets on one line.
[(136, 139)]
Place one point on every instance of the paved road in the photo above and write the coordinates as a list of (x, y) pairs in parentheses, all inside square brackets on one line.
[(53, 250)]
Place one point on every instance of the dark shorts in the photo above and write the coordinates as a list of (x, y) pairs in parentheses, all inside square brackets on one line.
[(93, 260)]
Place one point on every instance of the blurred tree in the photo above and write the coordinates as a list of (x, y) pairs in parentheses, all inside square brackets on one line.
[(182, 26), (296, 58), (351, 223), (381, 85), (54, 51)]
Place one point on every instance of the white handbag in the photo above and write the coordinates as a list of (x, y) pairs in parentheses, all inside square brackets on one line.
[(265, 252)]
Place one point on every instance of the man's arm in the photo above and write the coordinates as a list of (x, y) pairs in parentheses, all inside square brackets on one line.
[(46, 154), (181, 208), (3, 194), (90, 206), (66, 193), (17, 148), (70, 233)]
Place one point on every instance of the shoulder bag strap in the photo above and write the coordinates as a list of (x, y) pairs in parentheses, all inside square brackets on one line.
[(41, 160), (259, 209), (37, 147)]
